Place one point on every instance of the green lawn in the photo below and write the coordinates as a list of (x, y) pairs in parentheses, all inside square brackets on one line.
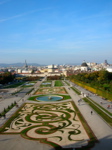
[(90, 133), (15, 85), (76, 90), (67, 83), (99, 111), (58, 83)]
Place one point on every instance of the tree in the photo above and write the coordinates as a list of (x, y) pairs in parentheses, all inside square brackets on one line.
[(6, 77)]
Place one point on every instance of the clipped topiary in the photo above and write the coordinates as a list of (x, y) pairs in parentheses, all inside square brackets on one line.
[(8, 107), (5, 110), (12, 104)]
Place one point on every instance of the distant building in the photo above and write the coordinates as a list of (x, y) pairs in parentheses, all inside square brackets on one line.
[(106, 63), (25, 69), (84, 66), (109, 69), (52, 68)]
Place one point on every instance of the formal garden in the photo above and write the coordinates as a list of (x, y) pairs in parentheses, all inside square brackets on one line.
[(46, 84), (49, 98), (58, 123), (28, 84), (53, 90)]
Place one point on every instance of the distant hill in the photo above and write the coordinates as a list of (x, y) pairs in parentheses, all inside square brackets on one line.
[(30, 64), (18, 64)]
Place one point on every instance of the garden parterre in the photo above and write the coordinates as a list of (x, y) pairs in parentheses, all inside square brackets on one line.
[(57, 123), (53, 90)]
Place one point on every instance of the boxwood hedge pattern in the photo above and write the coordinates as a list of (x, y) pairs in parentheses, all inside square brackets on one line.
[(55, 124)]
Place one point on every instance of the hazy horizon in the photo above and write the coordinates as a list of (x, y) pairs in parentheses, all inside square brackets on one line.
[(19, 64), (55, 32)]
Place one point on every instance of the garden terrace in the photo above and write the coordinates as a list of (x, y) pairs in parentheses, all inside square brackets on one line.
[(55, 124), (53, 90)]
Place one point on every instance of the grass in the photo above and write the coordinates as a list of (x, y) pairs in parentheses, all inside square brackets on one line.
[(99, 111), (7, 109), (14, 85), (87, 128), (7, 124), (17, 91), (56, 146), (76, 90), (58, 83), (53, 90), (30, 91), (97, 90), (109, 113), (90, 133), (67, 83), (25, 86)]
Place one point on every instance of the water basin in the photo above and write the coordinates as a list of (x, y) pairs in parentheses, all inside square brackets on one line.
[(46, 83), (49, 98), (29, 84)]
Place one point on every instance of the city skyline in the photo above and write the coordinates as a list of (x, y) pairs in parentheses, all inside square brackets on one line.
[(56, 32), (21, 64)]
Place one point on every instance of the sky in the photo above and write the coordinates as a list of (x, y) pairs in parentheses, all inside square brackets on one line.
[(55, 31)]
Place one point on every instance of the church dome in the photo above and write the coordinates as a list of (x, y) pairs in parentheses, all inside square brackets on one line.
[(84, 64)]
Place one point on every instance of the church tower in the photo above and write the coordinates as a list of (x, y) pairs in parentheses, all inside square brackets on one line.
[(25, 66)]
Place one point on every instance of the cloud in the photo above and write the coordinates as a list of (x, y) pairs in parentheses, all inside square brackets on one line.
[(23, 14)]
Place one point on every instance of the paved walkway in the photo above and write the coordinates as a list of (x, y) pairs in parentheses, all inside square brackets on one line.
[(16, 142), (97, 99), (100, 128), (8, 101)]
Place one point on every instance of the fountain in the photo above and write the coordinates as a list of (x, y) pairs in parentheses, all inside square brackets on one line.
[(27, 84), (49, 98), (46, 83)]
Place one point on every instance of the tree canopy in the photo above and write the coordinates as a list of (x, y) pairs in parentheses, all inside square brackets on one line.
[(6, 77), (99, 79)]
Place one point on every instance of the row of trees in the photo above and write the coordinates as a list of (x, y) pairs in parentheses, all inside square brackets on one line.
[(54, 77), (31, 78), (98, 79), (6, 78)]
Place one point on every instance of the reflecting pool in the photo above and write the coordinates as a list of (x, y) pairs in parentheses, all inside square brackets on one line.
[(49, 98)]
